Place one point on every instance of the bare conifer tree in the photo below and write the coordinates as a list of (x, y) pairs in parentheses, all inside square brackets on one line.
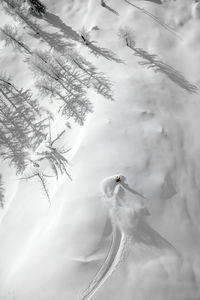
[(11, 37), (41, 176), (67, 78), (61, 81), (22, 124), (55, 155), (95, 79), (86, 70)]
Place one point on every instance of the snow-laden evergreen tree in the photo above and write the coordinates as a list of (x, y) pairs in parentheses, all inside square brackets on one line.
[(23, 123), (1, 193)]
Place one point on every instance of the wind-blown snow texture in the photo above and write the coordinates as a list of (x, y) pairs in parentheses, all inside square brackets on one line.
[(137, 239)]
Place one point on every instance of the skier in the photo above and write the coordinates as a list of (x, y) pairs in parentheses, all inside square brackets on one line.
[(117, 179)]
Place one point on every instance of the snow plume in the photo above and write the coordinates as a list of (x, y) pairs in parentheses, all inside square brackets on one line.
[(125, 213)]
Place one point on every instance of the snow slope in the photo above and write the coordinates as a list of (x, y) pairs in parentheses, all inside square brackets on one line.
[(150, 134)]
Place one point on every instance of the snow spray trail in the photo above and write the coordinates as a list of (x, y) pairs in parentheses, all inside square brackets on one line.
[(113, 196), (115, 256)]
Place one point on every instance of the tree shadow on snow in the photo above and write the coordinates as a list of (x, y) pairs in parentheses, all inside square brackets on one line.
[(100, 51), (67, 31), (126, 186), (53, 39), (155, 1), (155, 18), (152, 61), (103, 4)]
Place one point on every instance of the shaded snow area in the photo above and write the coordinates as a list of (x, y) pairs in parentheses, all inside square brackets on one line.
[(114, 212)]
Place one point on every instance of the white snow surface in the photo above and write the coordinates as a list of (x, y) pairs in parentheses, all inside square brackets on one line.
[(137, 239)]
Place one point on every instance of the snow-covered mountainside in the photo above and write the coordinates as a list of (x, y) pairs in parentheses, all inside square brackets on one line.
[(135, 237)]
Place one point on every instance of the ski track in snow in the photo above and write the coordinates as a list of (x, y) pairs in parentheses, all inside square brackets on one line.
[(119, 245)]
